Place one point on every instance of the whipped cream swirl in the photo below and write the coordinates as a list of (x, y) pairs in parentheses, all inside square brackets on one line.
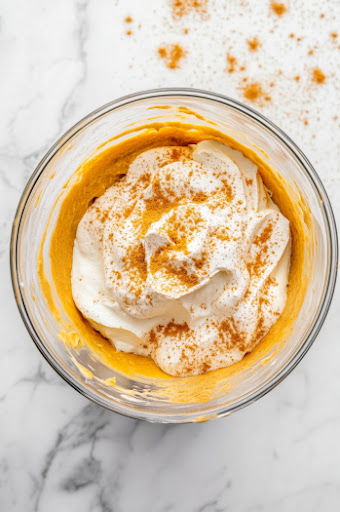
[(184, 259)]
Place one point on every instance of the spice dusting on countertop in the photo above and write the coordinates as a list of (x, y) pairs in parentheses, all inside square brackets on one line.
[(253, 44), (171, 54), (318, 76), (181, 8), (128, 20), (279, 8), (254, 92), (232, 61), (232, 64)]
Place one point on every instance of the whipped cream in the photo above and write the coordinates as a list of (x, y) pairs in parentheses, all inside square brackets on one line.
[(184, 259)]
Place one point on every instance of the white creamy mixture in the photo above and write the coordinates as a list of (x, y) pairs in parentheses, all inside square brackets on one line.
[(185, 259)]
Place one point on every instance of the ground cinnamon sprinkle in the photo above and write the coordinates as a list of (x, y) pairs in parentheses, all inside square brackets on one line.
[(253, 44), (334, 35), (188, 279), (255, 267), (278, 8), (232, 61), (260, 330), (135, 263), (264, 299), (181, 8), (254, 92), (128, 19), (264, 236), (174, 155), (227, 191), (160, 201), (171, 54), (232, 64), (179, 231), (200, 262), (229, 334), (318, 76), (173, 329), (156, 206), (101, 213)]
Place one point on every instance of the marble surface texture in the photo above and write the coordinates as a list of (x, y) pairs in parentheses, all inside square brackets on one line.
[(59, 60)]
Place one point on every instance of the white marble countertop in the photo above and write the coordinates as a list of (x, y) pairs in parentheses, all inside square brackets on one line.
[(59, 60)]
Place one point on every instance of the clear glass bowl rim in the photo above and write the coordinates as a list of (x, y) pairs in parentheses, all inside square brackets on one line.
[(332, 238)]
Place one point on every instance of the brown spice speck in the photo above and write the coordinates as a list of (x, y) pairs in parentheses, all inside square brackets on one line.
[(255, 266), (181, 8), (254, 92), (128, 19), (171, 54), (253, 44), (205, 367), (232, 61), (135, 262), (230, 335), (278, 7), (264, 236), (318, 76)]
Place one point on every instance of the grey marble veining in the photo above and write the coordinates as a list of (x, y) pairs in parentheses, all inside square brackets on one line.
[(59, 60)]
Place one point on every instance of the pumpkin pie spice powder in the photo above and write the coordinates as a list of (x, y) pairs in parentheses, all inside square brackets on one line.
[(253, 91)]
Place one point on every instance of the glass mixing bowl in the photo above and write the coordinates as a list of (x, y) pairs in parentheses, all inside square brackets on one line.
[(134, 396)]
